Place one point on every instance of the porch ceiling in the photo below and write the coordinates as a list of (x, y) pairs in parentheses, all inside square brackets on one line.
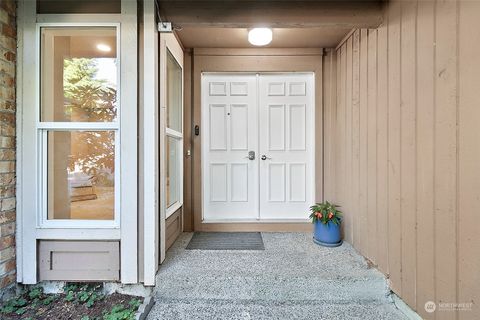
[(214, 37), (273, 13)]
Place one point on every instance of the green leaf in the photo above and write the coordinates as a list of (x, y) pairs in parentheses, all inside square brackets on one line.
[(8, 309), (35, 292), (21, 311), (20, 302), (48, 300), (70, 296), (135, 303)]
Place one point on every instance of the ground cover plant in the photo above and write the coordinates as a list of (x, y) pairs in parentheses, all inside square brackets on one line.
[(77, 302)]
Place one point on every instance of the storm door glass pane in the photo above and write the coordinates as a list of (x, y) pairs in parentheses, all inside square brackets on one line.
[(174, 94), (78, 74), (81, 175), (172, 171)]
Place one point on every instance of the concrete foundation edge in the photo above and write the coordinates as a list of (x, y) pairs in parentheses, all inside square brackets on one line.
[(145, 308), (404, 308)]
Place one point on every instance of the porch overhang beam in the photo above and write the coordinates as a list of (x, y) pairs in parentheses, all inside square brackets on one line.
[(275, 14)]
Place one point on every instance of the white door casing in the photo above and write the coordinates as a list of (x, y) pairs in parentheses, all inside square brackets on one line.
[(229, 119), (271, 115)]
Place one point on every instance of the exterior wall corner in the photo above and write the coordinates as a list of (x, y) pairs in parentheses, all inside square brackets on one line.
[(8, 48)]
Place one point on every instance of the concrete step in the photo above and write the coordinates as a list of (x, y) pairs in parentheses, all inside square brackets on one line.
[(291, 279), (272, 288), (200, 309)]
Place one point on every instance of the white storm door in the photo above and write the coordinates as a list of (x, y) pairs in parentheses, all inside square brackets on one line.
[(286, 145), (229, 122)]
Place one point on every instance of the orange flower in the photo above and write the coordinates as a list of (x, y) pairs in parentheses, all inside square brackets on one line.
[(319, 215), (330, 215)]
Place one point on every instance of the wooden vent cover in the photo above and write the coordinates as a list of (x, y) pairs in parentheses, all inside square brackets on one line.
[(79, 260)]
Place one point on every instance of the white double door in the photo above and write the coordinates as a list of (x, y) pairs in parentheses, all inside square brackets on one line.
[(257, 146)]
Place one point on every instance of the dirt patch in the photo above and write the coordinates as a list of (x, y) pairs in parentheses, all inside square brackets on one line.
[(77, 303)]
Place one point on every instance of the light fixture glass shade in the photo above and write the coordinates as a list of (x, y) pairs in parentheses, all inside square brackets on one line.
[(260, 36)]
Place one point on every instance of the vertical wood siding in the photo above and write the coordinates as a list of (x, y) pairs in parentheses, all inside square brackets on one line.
[(468, 155), (404, 150), (329, 102)]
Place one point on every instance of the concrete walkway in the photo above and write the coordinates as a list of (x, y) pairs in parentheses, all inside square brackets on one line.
[(292, 279)]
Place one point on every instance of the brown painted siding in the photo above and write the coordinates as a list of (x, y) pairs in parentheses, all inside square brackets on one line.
[(405, 141), (329, 102), (187, 144), (468, 155), (173, 228), (8, 47)]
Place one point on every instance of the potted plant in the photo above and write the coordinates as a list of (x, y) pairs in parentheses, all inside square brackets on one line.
[(326, 219)]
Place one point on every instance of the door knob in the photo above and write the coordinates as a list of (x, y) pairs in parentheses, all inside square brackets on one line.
[(251, 155), (264, 157)]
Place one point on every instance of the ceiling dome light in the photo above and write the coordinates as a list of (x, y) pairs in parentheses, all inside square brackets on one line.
[(260, 36), (103, 47)]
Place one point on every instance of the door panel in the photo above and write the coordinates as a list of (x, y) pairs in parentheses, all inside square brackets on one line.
[(239, 127), (286, 141), (276, 125), (298, 126), (218, 127), (229, 116), (276, 183)]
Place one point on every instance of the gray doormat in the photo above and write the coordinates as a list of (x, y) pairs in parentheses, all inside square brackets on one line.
[(226, 241)]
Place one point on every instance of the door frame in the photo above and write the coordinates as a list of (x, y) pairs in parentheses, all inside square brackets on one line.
[(248, 61), (167, 43), (311, 173), (152, 223)]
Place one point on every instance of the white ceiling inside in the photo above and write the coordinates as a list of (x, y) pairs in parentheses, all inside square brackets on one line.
[(216, 37)]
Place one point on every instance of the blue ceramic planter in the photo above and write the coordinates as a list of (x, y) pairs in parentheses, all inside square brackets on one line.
[(327, 235)]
